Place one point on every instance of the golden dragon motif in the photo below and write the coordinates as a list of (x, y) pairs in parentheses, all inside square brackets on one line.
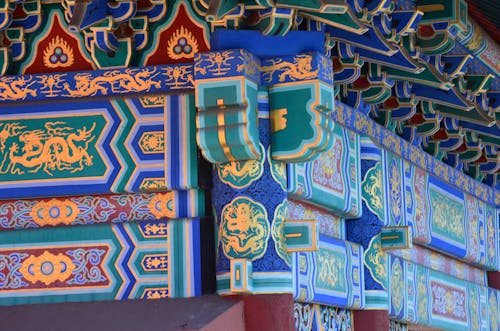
[(300, 68), (243, 232), (128, 81), (16, 88), (52, 149)]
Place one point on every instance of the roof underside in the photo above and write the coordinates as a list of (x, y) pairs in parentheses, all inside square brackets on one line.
[(487, 14)]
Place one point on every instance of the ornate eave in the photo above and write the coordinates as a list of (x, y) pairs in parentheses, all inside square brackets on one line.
[(449, 65)]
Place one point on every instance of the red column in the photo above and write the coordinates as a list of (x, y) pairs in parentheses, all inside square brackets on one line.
[(494, 279), (268, 312), (373, 320)]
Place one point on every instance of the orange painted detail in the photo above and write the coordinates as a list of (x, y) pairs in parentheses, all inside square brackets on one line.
[(57, 51), (179, 41)]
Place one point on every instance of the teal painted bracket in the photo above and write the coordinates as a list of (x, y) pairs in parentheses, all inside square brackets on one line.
[(226, 97), (395, 237), (301, 235), (332, 276), (241, 276), (332, 181), (300, 100)]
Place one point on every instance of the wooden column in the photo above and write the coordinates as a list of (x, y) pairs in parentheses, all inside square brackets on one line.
[(268, 312), (494, 279), (373, 320)]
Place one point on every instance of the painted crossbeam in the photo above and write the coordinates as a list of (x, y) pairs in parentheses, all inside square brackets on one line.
[(151, 260), (86, 210), (98, 146), (173, 78), (427, 297), (332, 275), (362, 124)]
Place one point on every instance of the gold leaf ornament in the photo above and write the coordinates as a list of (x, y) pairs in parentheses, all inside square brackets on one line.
[(58, 54), (182, 44)]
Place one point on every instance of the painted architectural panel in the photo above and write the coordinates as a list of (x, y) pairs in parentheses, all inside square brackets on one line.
[(87, 210), (332, 275), (346, 139), (332, 180), (116, 145), (441, 216), (422, 296), (101, 262)]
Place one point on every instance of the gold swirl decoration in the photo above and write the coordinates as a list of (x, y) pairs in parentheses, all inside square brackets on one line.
[(47, 268), (329, 269), (163, 205), (278, 231), (240, 174), (54, 212), (395, 185), (397, 286), (300, 69)]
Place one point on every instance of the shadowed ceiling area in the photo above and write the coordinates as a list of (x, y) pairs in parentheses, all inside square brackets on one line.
[(487, 14)]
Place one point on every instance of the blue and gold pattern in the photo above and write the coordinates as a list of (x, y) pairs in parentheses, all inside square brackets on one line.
[(314, 317), (426, 297), (322, 275)]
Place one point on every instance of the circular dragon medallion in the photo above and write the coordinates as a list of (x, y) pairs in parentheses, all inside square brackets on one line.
[(244, 229), (240, 174), (278, 170), (278, 232), (397, 286)]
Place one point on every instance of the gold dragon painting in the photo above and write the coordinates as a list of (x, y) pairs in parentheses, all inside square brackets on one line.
[(55, 148)]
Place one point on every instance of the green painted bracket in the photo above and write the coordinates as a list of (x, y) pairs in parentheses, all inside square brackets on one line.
[(217, 9), (301, 98), (120, 59), (395, 237), (301, 236), (274, 23), (345, 21), (437, 11), (241, 276), (226, 96)]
